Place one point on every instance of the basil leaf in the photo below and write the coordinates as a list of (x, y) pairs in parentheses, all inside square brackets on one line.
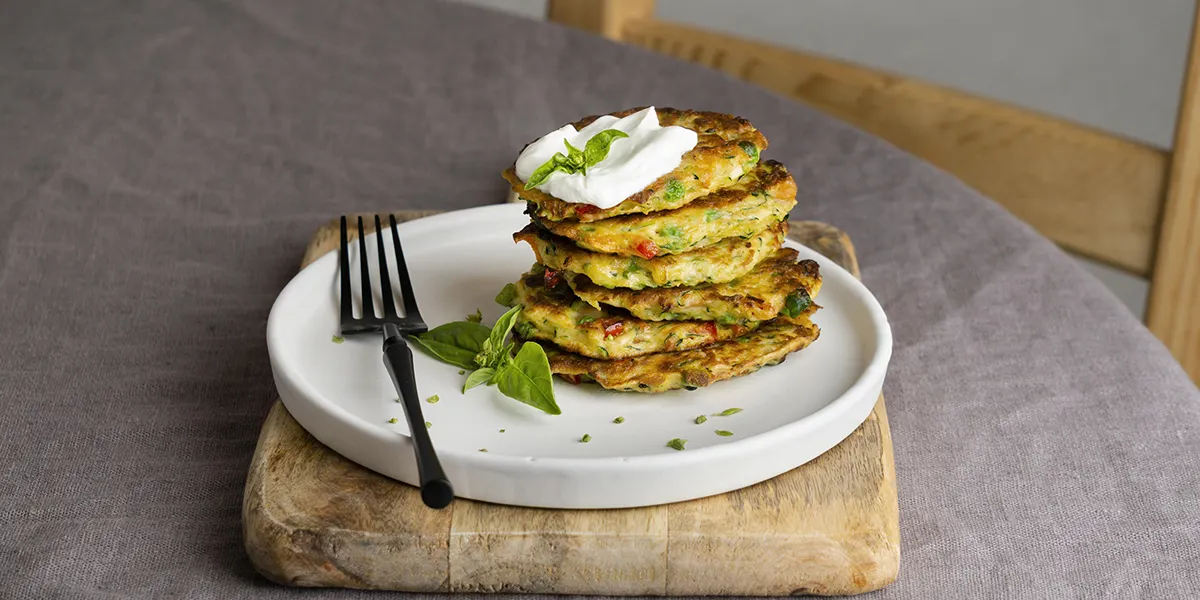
[(495, 342), (475, 317), (797, 302), (576, 160), (574, 155), (596, 149), (507, 296), (558, 162), (462, 334), (446, 353), (456, 343), (479, 378), (527, 379)]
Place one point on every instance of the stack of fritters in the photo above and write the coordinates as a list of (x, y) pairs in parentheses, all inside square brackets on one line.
[(680, 285)]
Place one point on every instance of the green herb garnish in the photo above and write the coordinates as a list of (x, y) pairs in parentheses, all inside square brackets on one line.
[(393, 420), (676, 444), (587, 437), (675, 190), (501, 431), (525, 376), (478, 378), (477, 317), (700, 419), (507, 296), (428, 424), (483, 449), (337, 339), (750, 149), (619, 420), (576, 160), (796, 303), (585, 320), (723, 433), (433, 399), (456, 343), (727, 412)]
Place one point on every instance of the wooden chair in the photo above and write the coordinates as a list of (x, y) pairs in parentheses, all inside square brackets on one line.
[(1117, 201)]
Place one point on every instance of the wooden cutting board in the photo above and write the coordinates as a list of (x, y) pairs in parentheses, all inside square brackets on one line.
[(831, 526)]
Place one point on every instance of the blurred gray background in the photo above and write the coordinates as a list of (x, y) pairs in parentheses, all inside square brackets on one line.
[(1113, 64)]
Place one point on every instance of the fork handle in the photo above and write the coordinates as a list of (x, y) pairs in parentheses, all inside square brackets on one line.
[(436, 490)]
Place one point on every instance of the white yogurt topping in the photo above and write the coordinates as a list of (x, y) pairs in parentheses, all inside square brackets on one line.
[(633, 163)]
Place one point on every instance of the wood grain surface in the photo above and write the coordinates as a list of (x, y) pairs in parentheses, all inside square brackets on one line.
[(829, 527)]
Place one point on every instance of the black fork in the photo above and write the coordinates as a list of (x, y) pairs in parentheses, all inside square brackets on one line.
[(436, 491)]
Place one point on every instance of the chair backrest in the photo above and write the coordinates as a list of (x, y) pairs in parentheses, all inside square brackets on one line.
[(1121, 202)]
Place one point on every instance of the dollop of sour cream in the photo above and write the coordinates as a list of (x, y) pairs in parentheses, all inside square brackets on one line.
[(633, 163)]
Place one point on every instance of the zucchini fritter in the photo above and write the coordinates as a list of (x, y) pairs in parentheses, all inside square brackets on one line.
[(727, 146), (756, 296), (720, 262), (758, 200), (552, 312), (768, 345)]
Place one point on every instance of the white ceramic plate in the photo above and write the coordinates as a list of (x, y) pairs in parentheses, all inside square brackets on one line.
[(341, 393)]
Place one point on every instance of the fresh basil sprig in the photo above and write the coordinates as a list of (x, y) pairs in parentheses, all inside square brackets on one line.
[(576, 160), (525, 377)]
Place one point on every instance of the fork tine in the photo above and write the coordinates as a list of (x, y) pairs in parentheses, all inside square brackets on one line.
[(385, 277), (368, 291), (411, 312), (346, 305)]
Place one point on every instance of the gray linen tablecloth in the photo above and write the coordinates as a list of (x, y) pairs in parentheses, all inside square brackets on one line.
[(162, 165)]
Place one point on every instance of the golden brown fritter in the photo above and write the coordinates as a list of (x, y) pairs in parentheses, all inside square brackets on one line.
[(756, 296), (767, 345), (552, 312), (727, 146), (724, 261), (757, 201)]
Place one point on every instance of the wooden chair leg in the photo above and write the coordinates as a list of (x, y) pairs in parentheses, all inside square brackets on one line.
[(1173, 313)]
